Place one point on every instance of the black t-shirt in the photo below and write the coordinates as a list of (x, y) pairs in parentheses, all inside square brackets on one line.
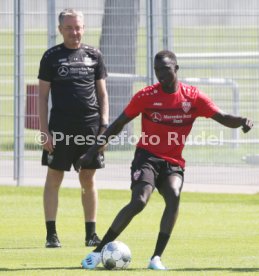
[(73, 74)]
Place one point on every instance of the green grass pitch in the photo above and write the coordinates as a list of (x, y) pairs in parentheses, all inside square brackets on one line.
[(216, 234)]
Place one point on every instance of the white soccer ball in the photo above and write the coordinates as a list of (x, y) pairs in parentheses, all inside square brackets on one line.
[(115, 255)]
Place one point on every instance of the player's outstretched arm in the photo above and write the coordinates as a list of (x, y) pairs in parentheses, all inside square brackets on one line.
[(232, 121), (114, 129)]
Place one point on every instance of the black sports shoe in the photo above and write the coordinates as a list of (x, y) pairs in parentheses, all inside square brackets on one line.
[(93, 241), (52, 241)]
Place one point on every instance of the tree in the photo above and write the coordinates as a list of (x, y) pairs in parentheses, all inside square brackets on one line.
[(118, 44)]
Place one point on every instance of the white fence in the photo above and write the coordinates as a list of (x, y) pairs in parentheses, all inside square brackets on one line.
[(217, 47)]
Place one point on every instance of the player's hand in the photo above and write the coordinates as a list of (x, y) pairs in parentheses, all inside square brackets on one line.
[(47, 141), (85, 159), (247, 125)]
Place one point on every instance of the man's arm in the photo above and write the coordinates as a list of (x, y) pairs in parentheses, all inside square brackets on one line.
[(103, 102), (232, 121), (114, 129), (43, 101)]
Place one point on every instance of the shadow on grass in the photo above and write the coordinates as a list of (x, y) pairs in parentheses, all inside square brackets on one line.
[(230, 269), (202, 269), (17, 248), (39, 268), (3, 269)]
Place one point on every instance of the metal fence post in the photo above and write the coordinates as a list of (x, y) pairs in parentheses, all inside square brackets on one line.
[(52, 35), (167, 25), (51, 12), (152, 37), (236, 100), (19, 91)]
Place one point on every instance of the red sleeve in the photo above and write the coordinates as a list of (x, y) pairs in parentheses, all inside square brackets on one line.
[(135, 107), (206, 107)]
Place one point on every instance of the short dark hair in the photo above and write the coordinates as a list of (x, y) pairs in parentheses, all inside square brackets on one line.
[(166, 53)]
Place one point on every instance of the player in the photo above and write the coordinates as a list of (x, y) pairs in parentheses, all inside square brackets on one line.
[(75, 74), (167, 107)]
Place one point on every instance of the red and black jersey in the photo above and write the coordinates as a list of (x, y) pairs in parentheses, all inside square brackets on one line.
[(73, 74), (167, 119)]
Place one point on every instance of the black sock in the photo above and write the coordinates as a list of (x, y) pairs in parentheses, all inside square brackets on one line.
[(51, 227), (108, 237), (161, 243), (89, 229)]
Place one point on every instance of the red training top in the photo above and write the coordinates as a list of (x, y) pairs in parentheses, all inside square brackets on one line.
[(167, 119)]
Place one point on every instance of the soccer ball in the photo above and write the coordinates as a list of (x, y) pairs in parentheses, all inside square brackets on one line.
[(115, 255)]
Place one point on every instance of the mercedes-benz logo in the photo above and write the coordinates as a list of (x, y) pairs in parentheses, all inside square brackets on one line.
[(156, 117), (63, 71)]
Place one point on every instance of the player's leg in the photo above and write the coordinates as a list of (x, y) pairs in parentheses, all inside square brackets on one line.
[(89, 197), (170, 189), (143, 184), (50, 201), (89, 194), (143, 176), (139, 198), (58, 161)]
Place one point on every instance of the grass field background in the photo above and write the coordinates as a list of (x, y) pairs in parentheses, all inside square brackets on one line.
[(216, 234)]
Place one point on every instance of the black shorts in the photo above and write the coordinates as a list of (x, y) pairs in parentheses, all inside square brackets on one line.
[(151, 169), (68, 150)]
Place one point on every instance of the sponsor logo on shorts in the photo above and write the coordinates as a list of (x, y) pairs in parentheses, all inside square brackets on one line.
[(50, 158), (136, 174)]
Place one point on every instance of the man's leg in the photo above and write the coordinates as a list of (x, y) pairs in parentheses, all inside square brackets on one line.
[(139, 198), (89, 197), (170, 190), (50, 201)]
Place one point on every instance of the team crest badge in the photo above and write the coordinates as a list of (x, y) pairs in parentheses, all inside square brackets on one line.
[(136, 174), (186, 106), (88, 61)]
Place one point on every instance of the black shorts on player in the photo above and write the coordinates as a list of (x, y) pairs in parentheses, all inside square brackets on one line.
[(151, 169), (69, 147)]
